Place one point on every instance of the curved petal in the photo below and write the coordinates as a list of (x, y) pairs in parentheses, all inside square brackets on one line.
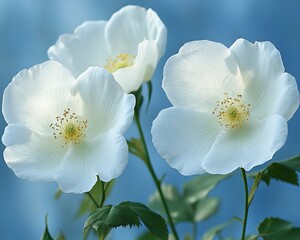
[(75, 174), (268, 89), (183, 137), (36, 96), (200, 74), (111, 156), (131, 78), (86, 47), (105, 105), (252, 145), (132, 25), (31, 156)]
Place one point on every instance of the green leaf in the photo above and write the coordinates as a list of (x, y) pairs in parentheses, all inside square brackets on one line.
[(293, 163), (149, 85), (180, 211), (280, 172), (154, 222), (206, 208), (137, 148), (215, 231), (46, 235), (278, 229), (126, 214), (198, 188)]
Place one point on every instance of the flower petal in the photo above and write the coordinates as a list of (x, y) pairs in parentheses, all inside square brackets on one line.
[(132, 25), (183, 137), (199, 75), (36, 96), (252, 145), (86, 47), (105, 105), (31, 156), (131, 78), (268, 89)]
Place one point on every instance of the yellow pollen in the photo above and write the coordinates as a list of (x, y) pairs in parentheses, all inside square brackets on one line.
[(232, 112), (69, 128), (121, 61)]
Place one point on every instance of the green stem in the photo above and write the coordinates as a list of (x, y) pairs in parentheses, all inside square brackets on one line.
[(155, 179), (195, 230), (93, 199), (246, 203), (103, 197)]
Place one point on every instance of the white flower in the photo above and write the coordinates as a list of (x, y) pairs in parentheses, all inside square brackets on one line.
[(129, 45), (231, 107), (66, 130)]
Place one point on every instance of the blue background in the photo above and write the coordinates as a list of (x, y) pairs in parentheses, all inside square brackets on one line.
[(29, 27)]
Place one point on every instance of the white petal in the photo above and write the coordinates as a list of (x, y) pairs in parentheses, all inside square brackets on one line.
[(36, 96), (84, 48), (31, 156), (105, 105), (252, 145), (183, 137), (199, 75), (132, 25), (110, 156), (131, 78), (269, 90), (75, 174)]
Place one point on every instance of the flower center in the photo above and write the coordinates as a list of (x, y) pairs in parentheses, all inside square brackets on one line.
[(69, 128), (121, 61), (232, 112)]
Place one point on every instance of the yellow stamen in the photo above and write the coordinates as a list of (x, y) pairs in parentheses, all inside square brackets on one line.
[(121, 61)]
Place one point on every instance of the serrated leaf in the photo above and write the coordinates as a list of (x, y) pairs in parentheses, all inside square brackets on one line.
[(149, 85), (293, 163), (278, 229), (280, 172), (137, 148), (213, 232), (108, 217), (46, 235), (199, 187), (206, 208), (153, 221), (126, 214)]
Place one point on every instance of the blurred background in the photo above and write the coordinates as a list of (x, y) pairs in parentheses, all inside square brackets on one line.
[(27, 30)]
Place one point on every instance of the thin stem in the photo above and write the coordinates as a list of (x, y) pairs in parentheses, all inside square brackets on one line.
[(103, 197), (155, 179), (93, 199), (195, 230), (246, 203)]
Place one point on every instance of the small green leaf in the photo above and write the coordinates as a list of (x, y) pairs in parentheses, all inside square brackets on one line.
[(61, 236), (199, 187), (57, 194), (46, 235), (137, 148), (126, 214), (206, 208), (154, 222), (293, 163), (108, 217), (279, 172), (215, 231), (149, 85), (278, 229)]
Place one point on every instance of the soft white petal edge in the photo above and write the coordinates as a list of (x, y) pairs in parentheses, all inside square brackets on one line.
[(86, 47), (183, 137), (106, 156), (199, 75), (105, 104), (31, 156), (252, 145), (131, 78)]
